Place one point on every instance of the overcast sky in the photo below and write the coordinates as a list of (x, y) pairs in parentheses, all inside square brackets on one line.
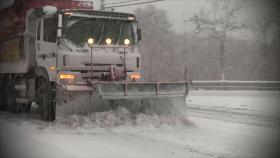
[(177, 10)]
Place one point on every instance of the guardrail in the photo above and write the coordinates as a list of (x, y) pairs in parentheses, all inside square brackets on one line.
[(236, 85)]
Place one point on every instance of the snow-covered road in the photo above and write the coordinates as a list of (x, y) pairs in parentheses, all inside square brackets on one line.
[(225, 124)]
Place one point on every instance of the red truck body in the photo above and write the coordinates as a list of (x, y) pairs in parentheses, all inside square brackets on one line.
[(13, 17)]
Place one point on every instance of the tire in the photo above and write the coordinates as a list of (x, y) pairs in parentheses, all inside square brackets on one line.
[(10, 99), (2, 95), (45, 99), (25, 107)]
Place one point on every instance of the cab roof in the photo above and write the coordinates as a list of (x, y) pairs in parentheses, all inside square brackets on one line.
[(105, 14)]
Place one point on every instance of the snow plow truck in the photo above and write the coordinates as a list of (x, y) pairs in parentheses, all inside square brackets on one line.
[(67, 58)]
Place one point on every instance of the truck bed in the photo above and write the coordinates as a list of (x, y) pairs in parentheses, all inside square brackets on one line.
[(12, 58)]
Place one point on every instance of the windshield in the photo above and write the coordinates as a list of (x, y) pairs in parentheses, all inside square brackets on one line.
[(79, 29)]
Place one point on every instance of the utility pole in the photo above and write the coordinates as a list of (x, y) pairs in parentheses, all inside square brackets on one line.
[(102, 4)]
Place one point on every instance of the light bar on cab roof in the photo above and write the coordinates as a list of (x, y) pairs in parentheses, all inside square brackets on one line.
[(68, 13), (131, 18)]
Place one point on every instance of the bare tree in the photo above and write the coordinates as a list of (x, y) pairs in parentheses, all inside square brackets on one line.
[(218, 21), (159, 59), (267, 19)]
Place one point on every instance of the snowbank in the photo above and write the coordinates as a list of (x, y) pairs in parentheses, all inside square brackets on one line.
[(119, 117)]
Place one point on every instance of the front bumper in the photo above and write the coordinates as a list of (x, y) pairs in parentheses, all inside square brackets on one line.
[(129, 89)]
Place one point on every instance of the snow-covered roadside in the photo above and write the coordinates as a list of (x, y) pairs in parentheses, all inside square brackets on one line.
[(120, 134), (207, 138), (266, 102), (251, 107), (28, 138)]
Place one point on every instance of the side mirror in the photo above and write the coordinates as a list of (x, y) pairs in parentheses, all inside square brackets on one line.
[(59, 33), (59, 26), (139, 35)]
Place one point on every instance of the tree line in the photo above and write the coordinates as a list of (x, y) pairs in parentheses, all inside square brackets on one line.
[(217, 48)]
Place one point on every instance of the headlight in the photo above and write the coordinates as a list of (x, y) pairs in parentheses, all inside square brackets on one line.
[(126, 41), (90, 42), (108, 41)]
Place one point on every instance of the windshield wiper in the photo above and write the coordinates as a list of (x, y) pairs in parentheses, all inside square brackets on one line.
[(101, 35), (120, 34), (64, 43)]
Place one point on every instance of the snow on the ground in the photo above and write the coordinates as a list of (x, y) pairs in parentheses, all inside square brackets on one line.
[(266, 102), (119, 117), (121, 134), (255, 107)]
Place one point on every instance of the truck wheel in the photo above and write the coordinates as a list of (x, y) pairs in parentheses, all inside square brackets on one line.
[(25, 107), (2, 95), (10, 99), (45, 99)]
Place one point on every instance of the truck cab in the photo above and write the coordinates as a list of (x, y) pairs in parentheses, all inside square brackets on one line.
[(53, 51), (62, 45)]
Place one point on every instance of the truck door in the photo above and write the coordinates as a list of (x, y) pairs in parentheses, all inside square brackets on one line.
[(46, 46)]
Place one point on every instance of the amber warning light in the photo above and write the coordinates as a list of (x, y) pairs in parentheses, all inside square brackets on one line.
[(135, 76), (66, 76)]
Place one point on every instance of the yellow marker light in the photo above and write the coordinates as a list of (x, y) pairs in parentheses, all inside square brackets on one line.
[(126, 41), (68, 13), (52, 68), (131, 18), (66, 76), (90, 42), (108, 41), (135, 76)]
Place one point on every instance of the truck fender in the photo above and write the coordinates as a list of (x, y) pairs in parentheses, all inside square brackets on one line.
[(42, 72)]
